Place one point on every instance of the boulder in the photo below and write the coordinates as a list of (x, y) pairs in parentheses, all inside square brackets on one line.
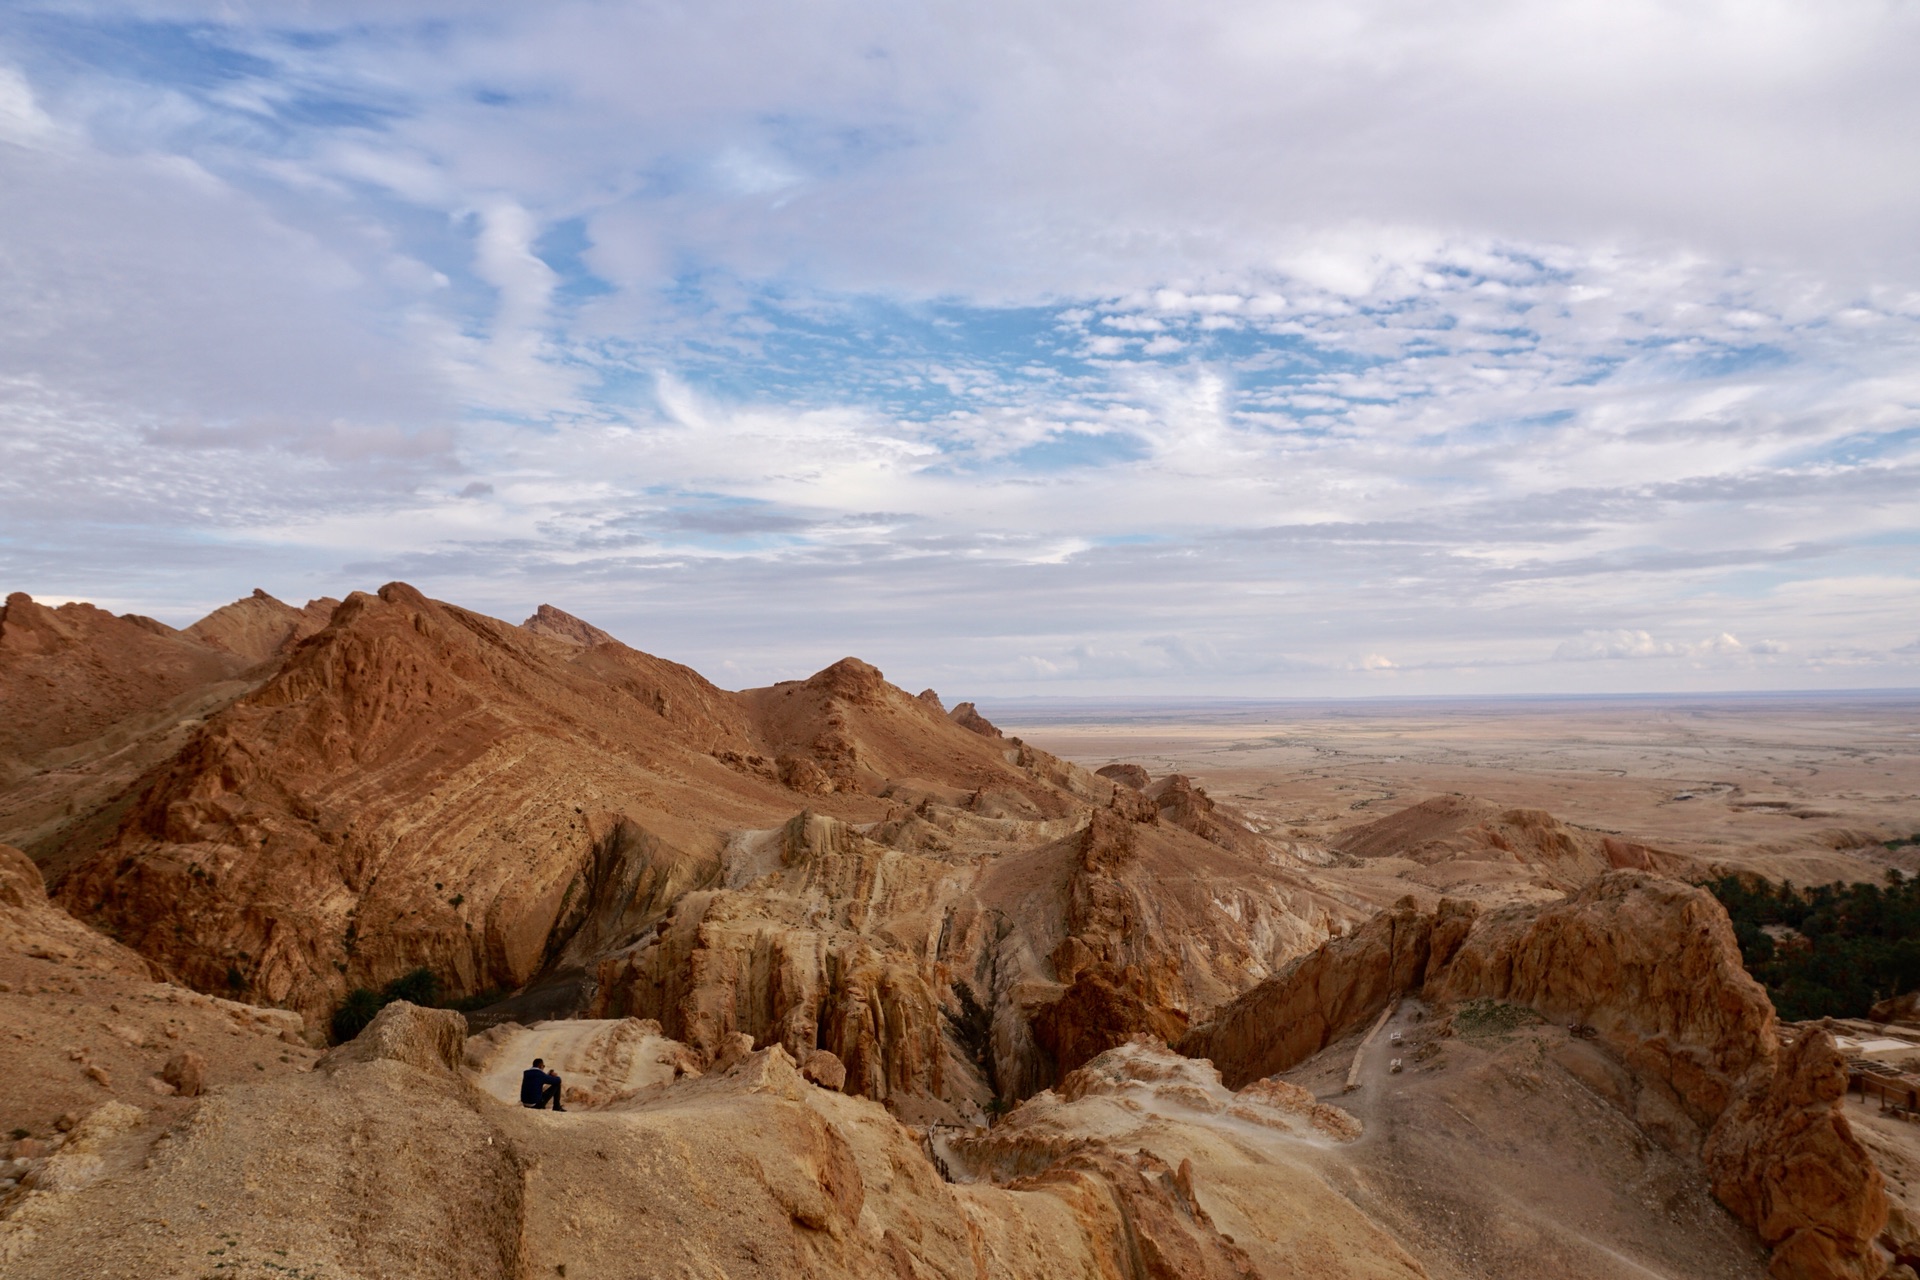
[(187, 1073), (825, 1069), (735, 1047), (432, 1040), (1904, 1008)]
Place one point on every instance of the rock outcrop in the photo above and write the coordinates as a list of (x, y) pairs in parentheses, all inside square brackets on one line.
[(34, 928), (431, 1040), (1455, 835), (556, 624), (1784, 1159), (1143, 1166), (1322, 996), (261, 628), (968, 717), (1126, 774), (1652, 967)]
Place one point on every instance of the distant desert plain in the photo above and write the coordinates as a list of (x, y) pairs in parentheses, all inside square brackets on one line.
[(1806, 787)]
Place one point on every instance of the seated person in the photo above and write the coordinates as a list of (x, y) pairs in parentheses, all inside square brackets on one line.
[(540, 1087)]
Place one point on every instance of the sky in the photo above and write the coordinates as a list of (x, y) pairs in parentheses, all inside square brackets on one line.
[(1285, 349)]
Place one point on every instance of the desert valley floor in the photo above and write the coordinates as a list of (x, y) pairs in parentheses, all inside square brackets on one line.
[(1805, 787)]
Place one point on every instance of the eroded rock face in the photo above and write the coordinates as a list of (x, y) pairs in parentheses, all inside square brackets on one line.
[(1650, 964), (809, 959), (540, 809), (1783, 1158), (1653, 967), (1320, 997), (32, 926)]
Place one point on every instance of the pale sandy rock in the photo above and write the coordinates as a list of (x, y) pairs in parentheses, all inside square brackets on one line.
[(432, 1040), (1651, 965)]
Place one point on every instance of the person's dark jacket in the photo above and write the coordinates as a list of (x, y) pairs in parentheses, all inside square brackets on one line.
[(533, 1084)]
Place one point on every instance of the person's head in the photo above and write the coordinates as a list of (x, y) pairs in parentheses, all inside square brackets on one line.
[(539, 1062)]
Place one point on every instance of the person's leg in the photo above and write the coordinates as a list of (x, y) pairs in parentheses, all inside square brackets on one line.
[(550, 1096)]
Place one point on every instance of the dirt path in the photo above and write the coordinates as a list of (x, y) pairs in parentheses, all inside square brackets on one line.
[(600, 1061), (1492, 1162)]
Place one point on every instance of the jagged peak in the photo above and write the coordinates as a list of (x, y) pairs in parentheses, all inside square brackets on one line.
[(260, 626), (558, 624), (968, 717), (851, 679)]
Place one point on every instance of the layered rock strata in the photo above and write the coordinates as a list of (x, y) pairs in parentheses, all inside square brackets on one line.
[(541, 809)]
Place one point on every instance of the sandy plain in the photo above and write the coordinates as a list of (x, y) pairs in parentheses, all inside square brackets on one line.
[(1803, 786)]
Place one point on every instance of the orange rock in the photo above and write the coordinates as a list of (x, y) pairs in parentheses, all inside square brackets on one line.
[(825, 1070), (1317, 999), (968, 717), (1127, 775), (187, 1073), (1783, 1158)]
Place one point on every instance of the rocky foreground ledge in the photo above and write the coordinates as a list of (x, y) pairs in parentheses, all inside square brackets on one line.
[(403, 1154)]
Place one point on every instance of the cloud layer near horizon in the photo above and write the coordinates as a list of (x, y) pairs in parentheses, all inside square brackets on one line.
[(1307, 349)]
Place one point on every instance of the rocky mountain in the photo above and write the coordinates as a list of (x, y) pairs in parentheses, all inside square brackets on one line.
[(825, 863), (91, 702), (842, 982)]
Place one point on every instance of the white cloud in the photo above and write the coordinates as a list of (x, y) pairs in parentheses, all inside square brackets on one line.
[(1502, 331), (1614, 645), (22, 122)]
